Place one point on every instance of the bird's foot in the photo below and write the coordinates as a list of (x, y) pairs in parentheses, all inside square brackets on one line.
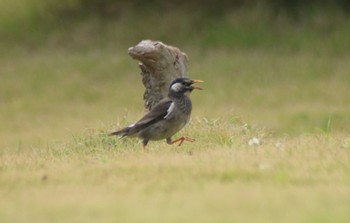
[(181, 140)]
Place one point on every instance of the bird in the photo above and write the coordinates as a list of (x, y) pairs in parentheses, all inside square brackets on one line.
[(166, 118)]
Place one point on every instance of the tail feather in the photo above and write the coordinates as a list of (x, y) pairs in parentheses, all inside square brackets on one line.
[(123, 132), (115, 133), (127, 131), (131, 130)]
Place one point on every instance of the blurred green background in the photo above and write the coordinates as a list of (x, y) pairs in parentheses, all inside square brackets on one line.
[(283, 65)]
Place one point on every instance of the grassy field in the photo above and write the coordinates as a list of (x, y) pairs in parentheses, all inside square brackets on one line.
[(62, 92), (57, 164), (217, 179)]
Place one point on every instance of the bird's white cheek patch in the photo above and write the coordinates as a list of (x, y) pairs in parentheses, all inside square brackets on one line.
[(132, 125), (176, 87), (170, 109)]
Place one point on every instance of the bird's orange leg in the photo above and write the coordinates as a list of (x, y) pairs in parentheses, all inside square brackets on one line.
[(181, 140)]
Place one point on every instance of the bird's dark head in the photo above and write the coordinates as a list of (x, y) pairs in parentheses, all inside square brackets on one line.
[(183, 85)]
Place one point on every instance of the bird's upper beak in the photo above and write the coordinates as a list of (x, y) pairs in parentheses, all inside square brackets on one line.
[(197, 81)]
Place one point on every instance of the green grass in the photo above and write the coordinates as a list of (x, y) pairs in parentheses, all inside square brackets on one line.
[(57, 164), (65, 86), (57, 94), (218, 178)]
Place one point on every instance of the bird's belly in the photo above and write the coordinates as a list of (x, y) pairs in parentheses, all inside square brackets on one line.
[(163, 129)]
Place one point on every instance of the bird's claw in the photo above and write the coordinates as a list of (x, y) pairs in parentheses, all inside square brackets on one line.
[(182, 139)]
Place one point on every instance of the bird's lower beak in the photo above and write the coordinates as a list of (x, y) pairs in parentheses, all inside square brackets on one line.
[(197, 81)]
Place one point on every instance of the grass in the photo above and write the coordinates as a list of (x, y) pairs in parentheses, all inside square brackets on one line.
[(62, 91), (54, 170), (55, 95), (219, 178)]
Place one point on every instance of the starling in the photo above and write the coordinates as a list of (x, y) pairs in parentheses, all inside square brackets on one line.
[(166, 118)]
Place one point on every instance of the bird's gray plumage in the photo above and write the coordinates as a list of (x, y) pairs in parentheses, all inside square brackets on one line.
[(168, 117)]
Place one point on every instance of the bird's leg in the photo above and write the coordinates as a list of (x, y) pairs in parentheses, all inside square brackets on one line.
[(144, 144), (181, 140)]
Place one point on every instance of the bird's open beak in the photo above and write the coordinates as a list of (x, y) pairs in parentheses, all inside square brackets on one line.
[(197, 81)]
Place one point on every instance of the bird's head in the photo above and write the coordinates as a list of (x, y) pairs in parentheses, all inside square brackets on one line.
[(183, 85)]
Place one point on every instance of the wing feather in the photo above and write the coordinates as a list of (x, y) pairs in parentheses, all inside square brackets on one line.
[(160, 111), (157, 113)]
